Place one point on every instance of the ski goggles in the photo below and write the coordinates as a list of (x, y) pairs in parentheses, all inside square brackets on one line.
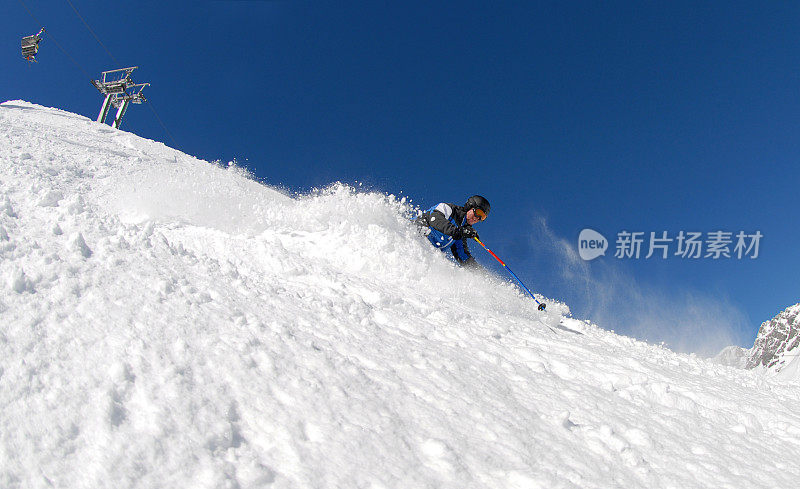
[(479, 213)]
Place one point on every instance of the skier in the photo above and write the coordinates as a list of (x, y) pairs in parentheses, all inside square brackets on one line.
[(450, 226)]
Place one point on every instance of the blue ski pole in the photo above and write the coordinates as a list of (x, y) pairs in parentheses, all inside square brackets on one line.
[(541, 304)]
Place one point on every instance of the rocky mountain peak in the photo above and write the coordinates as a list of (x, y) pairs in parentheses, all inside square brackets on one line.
[(777, 341)]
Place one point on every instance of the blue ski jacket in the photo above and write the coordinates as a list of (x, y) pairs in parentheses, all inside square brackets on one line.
[(442, 220)]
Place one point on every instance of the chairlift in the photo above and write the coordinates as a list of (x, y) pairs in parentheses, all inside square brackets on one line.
[(120, 91), (30, 46)]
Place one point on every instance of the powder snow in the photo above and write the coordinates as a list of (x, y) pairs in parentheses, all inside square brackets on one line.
[(168, 322)]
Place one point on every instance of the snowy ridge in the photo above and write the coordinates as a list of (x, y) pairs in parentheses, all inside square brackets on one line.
[(776, 344), (165, 322), (732, 356), (774, 351)]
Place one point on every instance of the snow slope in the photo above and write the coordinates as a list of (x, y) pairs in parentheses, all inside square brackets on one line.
[(165, 322)]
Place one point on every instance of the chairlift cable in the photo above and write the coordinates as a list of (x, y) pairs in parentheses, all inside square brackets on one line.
[(150, 104), (92, 32)]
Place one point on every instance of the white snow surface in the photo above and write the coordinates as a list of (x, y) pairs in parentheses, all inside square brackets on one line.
[(165, 322)]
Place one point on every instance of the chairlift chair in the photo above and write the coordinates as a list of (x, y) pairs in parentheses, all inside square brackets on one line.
[(30, 45)]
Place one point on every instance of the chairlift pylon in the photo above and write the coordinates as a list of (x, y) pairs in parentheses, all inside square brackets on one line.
[(30, 46), (120, 91)]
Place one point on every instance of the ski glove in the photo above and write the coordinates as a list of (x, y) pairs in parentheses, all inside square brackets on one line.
[(465, 232)]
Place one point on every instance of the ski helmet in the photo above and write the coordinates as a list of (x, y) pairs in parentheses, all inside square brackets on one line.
[(478, 202)]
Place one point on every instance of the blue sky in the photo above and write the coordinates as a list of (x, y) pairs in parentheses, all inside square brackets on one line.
[(639, 116)]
